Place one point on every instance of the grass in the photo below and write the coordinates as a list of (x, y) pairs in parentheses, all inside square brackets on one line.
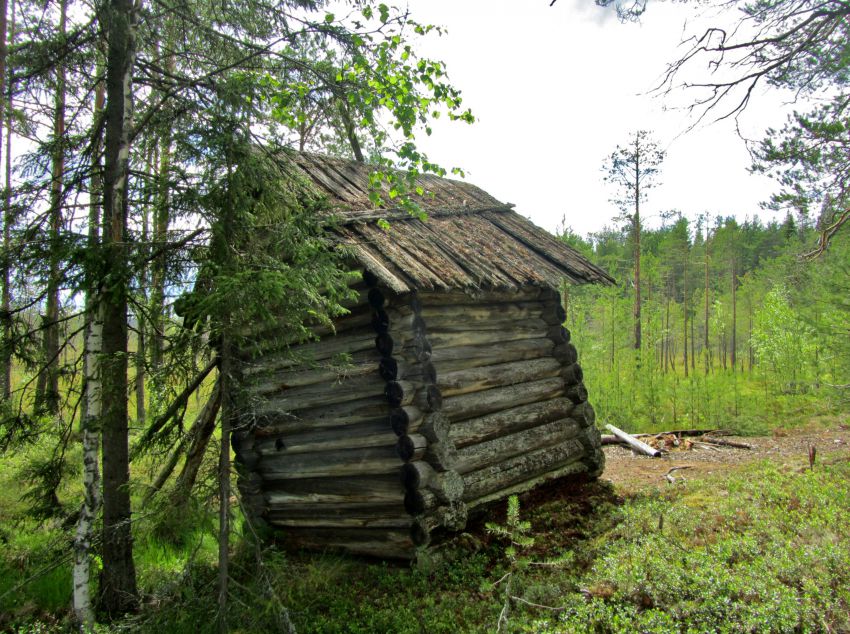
[(760, 550)]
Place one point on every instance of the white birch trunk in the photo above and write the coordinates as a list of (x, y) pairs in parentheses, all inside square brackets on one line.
[(91, 474)]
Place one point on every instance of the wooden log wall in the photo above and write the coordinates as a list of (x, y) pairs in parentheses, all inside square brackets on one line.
[(512, 390), (320, 459), (446, 402)]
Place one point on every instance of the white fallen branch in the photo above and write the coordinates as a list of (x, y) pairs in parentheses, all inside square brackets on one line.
[(634, 443)]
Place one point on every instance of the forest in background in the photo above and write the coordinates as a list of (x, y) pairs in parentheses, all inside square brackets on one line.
[(130, 154), (740, 331)]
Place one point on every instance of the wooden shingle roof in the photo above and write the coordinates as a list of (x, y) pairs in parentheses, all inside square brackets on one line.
[(469, 241)]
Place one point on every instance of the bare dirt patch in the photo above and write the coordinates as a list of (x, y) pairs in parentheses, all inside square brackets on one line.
[(628, 471)]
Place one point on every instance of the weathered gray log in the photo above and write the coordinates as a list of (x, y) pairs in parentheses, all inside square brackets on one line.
[(573, 467), (442, 455), (460, 357), (365, 520), (391, 369), (270, 383), (566, 353), (373, 542), (558, 334), (577, 393), (634, 443), (508, 421), (584, 414), (554, 314), (385, 344), (446, 485), (473, 457), (491, 376), (502, 475), (341, 462), (418, 348), (451, 516), (465, 337), (411, 447), (406, 419), (271, 422), (439, 298), (482, 311), (572, 374), (310, 396), (465, 406), (372, 433), (435, 427), (310, 353), (381, 489), (440, 325), (402, 393)]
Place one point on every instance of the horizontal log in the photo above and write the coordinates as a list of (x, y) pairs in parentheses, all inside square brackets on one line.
[(446, 485), (466, 406), (386, 489), (576, 393), (418, 348), (502, 475), (372, 433), (566, 353), (400, 521), (634, 443), (271, 422), (453, 359), (558, 334), (328, 375), (311, 396), (508, 421), (411, 447), (438, 325), (442, 455), (392, 369), (439, 298), (373, 542), (484, 378), (403, 393), (482, 311), (434, 426), (478, 337), (584, 414), (554, 313), (473, 457), (269, 355), (405, 419), (572, 374), (342, 462), (394, 509), (571, 468)]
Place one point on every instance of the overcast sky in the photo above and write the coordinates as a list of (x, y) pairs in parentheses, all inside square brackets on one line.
[(555, 89)]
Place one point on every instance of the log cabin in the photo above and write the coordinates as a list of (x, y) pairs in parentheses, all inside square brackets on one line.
[(450, 385)]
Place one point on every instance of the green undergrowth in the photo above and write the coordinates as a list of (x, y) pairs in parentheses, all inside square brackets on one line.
[(761, 549)]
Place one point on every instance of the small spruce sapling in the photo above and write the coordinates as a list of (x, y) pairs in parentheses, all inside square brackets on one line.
[(517, 534)]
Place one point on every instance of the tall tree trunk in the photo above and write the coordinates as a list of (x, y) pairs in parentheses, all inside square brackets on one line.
[(118, 582), (733, 336), (92, 401), (47, 398), (685, 315), (705, 341), (6, 119), (226, 369), (636, 255)]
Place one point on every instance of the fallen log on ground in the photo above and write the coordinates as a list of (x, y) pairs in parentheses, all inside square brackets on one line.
[(634, 443)]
